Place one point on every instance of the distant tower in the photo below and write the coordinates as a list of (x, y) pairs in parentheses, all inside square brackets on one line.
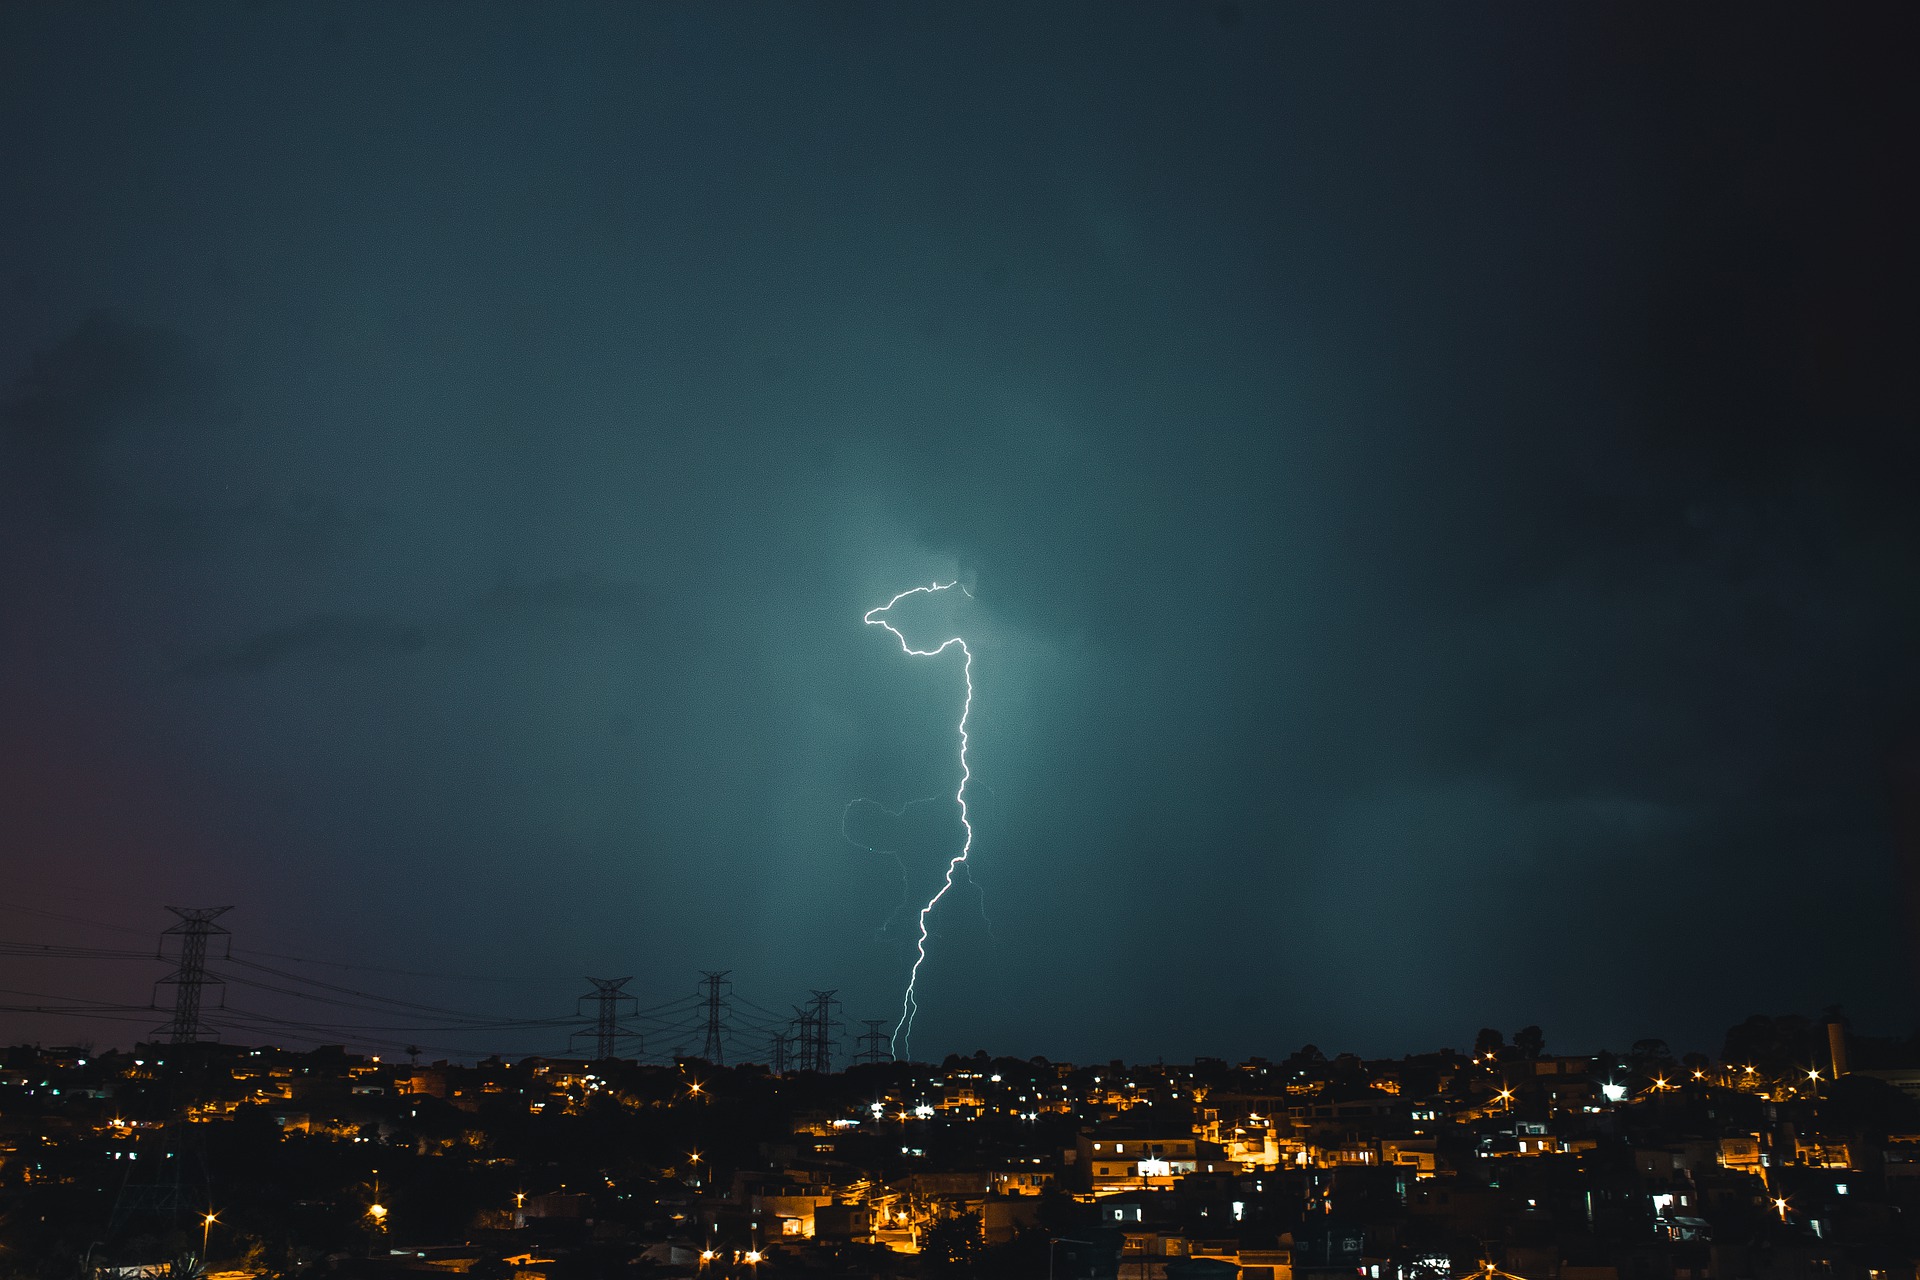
[(778, 1052), (713, 1051), (801, 1040), (874, 1044), (821, 1059), (190, 975), (607, 1031)]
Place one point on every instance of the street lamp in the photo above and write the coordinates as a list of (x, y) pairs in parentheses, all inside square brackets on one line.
[(206, 1228), (1780, 1203)]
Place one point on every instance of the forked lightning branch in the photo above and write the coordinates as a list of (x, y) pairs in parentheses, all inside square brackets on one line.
[(902, 1041)]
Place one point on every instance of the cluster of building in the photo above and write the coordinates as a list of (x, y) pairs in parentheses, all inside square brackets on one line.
[(1507, 1160)]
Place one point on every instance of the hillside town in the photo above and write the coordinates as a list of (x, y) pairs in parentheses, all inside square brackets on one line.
[(1794, 1153)]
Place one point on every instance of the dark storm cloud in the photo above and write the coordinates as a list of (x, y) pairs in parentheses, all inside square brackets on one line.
[(353, 638), (1434, 493), (62, 412), (333, 639), (574, 593), (82, 424)]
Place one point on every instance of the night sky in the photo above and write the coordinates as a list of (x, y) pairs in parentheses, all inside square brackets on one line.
[(1437, 487)]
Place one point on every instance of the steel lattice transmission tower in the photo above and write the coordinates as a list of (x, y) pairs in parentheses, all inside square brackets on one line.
[(874, 1045), (607, 1031), (778, 1052), (800, 1040), (190, 973), (714, 1051), (821, 1024)]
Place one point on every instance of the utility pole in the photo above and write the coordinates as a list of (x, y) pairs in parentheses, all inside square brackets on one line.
[(190, 974), (713, 1051), (874, 1044), (823, 1041), (607, 1031)]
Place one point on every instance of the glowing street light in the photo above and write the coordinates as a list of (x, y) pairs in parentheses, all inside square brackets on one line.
[(206, 1228), (1780, 1203), (376, 1210)]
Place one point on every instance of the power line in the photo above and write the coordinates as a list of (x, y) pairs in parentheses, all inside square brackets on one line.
[(440, 1020), (61, 951), (712, 1011), (414, 1005), (409, 973)]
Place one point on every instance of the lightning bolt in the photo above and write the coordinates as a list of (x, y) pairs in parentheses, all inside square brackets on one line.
[(902, 1040), (905, 888)]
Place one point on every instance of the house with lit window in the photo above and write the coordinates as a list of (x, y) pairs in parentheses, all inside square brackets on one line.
[(1116, 1157)]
